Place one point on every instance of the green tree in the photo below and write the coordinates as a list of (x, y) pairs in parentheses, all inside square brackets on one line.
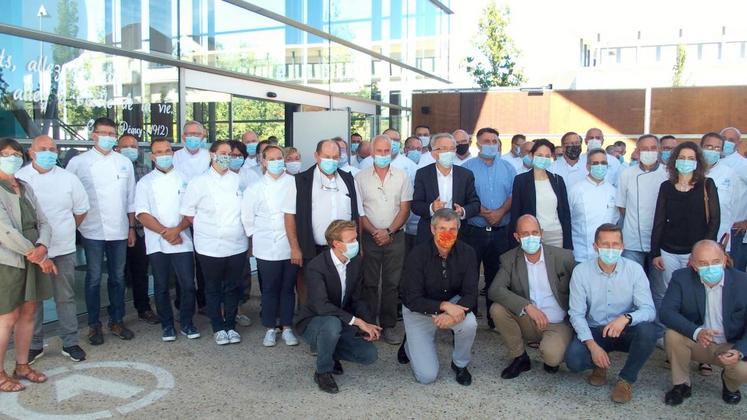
[(679, 66), (495, 66)]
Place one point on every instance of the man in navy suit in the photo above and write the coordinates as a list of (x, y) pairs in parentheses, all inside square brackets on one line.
[(705, 311), (443, 184)]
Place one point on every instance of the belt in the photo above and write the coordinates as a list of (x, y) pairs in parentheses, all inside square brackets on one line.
[(487, 228)]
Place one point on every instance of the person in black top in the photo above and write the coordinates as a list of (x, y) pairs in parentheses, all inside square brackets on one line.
[(438, 291), (687, 211)]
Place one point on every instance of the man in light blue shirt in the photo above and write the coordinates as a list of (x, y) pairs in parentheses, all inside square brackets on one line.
[(611, 309)]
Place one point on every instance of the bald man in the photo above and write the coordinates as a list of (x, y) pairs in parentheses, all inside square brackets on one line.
[(530, 295), (705, 312), (595, 140), (64, 201), (463, 140)]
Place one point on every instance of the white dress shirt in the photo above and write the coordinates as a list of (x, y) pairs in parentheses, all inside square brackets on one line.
[(459, 161), (591, 206), (61, 196), (191, 165), (614, 167), (341, 268), (109, 181), (738, 164), (729, 194), (445, 187), (515, 161), (250, 162), (352, 170), (248, 176), (214, 201), (637, 192), (572, 175), (160, 195), (714, 313), (426, 159), (263, 218), (540, 292)]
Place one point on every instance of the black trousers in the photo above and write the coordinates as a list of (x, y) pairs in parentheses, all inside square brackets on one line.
[(136, 274), (488, 245), (222, 277)]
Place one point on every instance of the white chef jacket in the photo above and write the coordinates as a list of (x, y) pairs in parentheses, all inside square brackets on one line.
[(109, 181), (190, 165), (459, 161), (729, 195), (61, 196), (263, 218), (214, 200), (160, 195), (613, 167), (591, 205), (572, 175), (248, 176), (516, 162), (738, 164), (637, 192)]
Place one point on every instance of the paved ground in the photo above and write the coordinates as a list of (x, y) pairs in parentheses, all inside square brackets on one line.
[(198, 379)]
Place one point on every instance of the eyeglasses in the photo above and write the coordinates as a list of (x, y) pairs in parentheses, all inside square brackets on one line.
[(9, 154)]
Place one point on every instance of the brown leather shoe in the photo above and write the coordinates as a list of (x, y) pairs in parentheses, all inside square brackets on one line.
[(121, 331), (598, 377), (622, 392)]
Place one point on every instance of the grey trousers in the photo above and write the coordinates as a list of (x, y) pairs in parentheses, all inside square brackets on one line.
[(421, 344), (383, 264), (64, 299)]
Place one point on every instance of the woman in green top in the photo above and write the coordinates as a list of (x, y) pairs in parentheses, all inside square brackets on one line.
[(24, 235)]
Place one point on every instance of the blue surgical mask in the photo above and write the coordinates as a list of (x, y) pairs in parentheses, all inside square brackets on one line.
[(489, 151), (354, 147), (223, 161), (729, 148), (46, 160), (235, 162), (10, 164), (598, 172), (610, 255), (517, 150), (251, 148), (685, 166), (275, 167), (414, 155), (165, 161), (293, 167), (711, 156), (621, 159), (446, 159), (382, 161), (594, 144), (328, 166), (527, 160), (541, 162), (130, 153), (192, 142), (531, 244), (665, 154), (425, 140), (107, 143), (351, 250), (711, 274), (343, 157), (395, 147)]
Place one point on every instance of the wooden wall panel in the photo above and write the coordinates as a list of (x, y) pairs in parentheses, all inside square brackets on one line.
[(509, 112), (443, 114), (697, 110), (613, 111)]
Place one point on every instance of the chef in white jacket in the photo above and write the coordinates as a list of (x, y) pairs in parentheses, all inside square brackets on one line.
[(168, 241), (109, 227), (212, 204), (727, 182), (592, 204), (192, 159)]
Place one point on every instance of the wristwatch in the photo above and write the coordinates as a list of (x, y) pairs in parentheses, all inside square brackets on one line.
[(630, 318)]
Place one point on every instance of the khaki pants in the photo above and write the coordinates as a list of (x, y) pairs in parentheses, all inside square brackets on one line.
[(681, 350), (516, 330)]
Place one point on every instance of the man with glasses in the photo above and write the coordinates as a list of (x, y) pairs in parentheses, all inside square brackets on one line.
[(109, 227), (595, 140), (727, 183), (193, 159)]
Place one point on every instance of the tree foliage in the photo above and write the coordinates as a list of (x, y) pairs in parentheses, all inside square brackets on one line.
[(679, 66)]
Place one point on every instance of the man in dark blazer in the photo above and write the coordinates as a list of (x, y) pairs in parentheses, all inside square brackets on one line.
[(705, 312), (530, 295), (443, 184), (334, 308)]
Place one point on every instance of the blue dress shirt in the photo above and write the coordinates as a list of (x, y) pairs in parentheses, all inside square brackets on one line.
[(494, 184)]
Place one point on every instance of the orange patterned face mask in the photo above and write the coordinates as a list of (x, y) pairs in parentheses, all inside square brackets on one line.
[(446, 240)]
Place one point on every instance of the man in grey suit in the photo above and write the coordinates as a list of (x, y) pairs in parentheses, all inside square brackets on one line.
[(530, 295)]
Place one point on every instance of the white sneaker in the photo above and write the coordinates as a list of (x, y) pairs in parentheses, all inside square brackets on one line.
[(221, 338), (243, 320), (233, 337), (270, 338), (289, 338)]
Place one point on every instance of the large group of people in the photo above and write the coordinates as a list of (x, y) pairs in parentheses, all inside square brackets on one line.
[(583, 253)]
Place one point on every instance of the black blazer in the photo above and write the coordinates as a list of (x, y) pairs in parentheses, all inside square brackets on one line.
[(426, 190), (304, 189), (324, 291), (524, 201), (683, 307)]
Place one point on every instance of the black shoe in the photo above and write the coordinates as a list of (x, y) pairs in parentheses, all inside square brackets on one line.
[(483, 292), (149, 317), (518, 365), (34, 354), (730, 397), (402, 354), (95, 335), (463, 377), (550, 369), (677, 394), (75, 353), (326, 382), (337, 368)]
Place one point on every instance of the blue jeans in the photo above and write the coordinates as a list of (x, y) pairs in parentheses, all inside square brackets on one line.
[(182, 265), (116, 253), (655, 281), (278, 296), (488, 246), (335, 341), (638, 341), (738, 251)]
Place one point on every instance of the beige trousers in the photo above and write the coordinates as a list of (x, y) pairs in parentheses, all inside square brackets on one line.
[(681, 350)]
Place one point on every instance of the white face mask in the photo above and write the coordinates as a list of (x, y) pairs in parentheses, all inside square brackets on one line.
[(649, 157), (594, 144)]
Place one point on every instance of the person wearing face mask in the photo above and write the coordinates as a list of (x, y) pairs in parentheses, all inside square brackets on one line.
[(622, 148), (704, 311), (423, 133), (262, 218), (192, 159), (486, 232), (250, 141), (413, 149), (526, 158), (237, 164), (399, 160), (292, 160), (64, 202), (136, 264), (569, 166), (595, 140), (443, 185), (531, 299), (463, 140), (364, 151), (610, 309), (738, 163), (335, 319), (109, 227), (355, 142), (212, 204), (25, 238), (438, 292), (727, 184), (668, 143), (514, 155), (168, 241), (344, 164), (543, 195), (592, 204), (257, 169)]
